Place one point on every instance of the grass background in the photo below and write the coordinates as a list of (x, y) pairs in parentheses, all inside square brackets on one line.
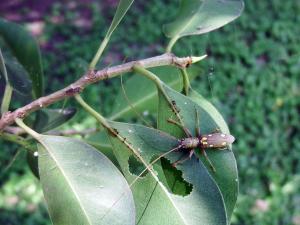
[(252, 75)]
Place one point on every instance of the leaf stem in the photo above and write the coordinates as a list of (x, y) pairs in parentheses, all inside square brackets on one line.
[(186, 81), (8, 88), (141, 70), (112, 131), (6, 98), (94, 113), (21, 124), (99, 53), (172, 43), (160, 86)]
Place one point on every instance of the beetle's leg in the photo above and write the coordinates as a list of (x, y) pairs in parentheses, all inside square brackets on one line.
[(186, 131), (183, 159), (208, 160)]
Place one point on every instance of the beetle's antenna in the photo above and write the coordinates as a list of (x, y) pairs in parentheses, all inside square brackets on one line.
[(153, 162), (197, 123), (148, 167), (209, 78)]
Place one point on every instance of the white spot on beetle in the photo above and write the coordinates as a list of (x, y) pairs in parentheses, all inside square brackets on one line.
[(223, 135)]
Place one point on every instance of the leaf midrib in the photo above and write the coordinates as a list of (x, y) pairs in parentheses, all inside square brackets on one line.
[(66, 178), (181, 33)]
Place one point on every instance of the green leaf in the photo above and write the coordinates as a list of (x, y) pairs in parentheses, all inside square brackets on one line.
[(155, 203), (123, 7), (17, 76), (226, 175), (80, 184), (25, 49), (202, 16), (228, 182), (101, 142), (147, 103), (49, 119)]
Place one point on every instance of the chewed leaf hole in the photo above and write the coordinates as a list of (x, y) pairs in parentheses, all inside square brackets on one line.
[(136, 167), (176, 184)]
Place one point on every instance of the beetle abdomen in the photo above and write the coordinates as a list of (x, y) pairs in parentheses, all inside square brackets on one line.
[(216, 140)]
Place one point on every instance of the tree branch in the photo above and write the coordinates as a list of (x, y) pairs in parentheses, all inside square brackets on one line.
[(90, 77)]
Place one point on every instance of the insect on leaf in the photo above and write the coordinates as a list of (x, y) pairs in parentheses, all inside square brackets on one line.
[(155, 204), (226, 176)]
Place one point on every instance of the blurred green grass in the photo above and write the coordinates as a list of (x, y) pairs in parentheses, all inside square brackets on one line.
[(252, 75)]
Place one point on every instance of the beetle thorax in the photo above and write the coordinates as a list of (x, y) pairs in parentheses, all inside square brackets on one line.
[(188, 143)]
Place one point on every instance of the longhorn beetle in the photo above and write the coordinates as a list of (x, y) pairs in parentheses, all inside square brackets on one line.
[(215, 140)]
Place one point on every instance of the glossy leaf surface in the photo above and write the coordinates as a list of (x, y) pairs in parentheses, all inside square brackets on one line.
[(202, 16), (226, 176), (101, 142), (154, 202), (25, 49), (17, 76), (49, 119), (148, 101), (80, 184), (123, 7)]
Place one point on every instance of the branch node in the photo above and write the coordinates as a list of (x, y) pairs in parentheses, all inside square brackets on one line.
[(136, 63), (73, 90), (21, 114), (91, 75)]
